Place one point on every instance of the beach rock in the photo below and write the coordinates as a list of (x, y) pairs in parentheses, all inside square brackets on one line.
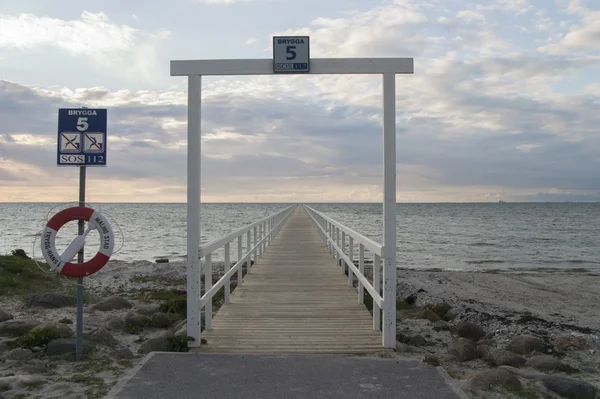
[(417, 340), (62, 330), (157, 343), (62, 346), (19, 354), (453, 313), (17, 327), (525, 344), (430, 315), (441, 325), (114, 303), (569, 342), (124, 354), (463, 349), (570, 387), (545, 363), (487, 341), (470, 330), (103, 337), (161, 320), (5, 316), (493, 378), (500, 357), (115, 323), (51, 300), (133, 319), (148, 309), (6, 344)]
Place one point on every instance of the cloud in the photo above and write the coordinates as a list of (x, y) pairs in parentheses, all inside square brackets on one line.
[(93, 36)]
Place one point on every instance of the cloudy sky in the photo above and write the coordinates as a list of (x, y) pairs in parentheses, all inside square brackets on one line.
[(504, 102)]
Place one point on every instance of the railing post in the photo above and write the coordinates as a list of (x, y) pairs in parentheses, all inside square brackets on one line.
[(249, 245), (351, 256), (361, 269), (240, 256), (337, 239), (260, 236), (226, 269), (377, 287), (255, 242), (389, 210), (343, 250), (208, 286), (193, 208)]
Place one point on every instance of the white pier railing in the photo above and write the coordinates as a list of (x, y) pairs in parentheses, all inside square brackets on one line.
[(259, 235), (335, 235)]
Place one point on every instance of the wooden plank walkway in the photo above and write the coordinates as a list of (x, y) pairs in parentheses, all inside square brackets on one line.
[(294, 300)]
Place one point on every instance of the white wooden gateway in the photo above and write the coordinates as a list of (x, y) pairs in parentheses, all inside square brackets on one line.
[(292, 55)]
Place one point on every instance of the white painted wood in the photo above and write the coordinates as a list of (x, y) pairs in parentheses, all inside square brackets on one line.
[(317, 66), (389, 210), (240, 256), (255, 242), (376, 287), (220, 242), (207, 287), (337, 238), (351, 256), (359, 238), (361, 269), (343, 249), (226, 269), (249, 244), (193, 209)]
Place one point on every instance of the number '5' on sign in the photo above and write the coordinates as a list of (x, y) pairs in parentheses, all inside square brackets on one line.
[(82, 123)]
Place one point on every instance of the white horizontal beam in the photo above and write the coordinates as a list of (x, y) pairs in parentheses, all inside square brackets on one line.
[(317, 66)]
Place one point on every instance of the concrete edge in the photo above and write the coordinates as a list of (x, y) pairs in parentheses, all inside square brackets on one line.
[(123, 381), (452, 382)]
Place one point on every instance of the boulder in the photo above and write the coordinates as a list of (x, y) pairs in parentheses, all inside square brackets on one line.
[(429, 315), (62, 346), (17, 327), (463, 349), (161, 320), (51, 300), (570, 387), (525, 344), (19, 354), (442, 325), (494, 378), (103, 337), (62, 330), (133, 319), (148, 309), (115, 323), (124, 354), (417, 340), (5, 316), (500, 357), (569, 342), (114, 303), (160, 342), (548, 363), (470, 330), (487, 341)]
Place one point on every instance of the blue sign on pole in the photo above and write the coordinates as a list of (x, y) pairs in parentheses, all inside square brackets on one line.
[(81, 137)]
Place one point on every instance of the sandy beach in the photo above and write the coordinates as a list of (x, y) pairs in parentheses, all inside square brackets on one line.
[(544, 303)]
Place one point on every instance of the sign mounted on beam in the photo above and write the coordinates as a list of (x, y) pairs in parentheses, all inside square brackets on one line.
[(81, 137), (291, 54)]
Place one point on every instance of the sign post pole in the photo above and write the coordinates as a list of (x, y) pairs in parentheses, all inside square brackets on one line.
[(79, 327)]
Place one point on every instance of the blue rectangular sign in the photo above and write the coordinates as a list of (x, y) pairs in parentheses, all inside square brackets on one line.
[(81, 137)]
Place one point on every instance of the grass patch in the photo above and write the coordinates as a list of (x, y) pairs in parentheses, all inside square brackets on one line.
[(21, 276), (38, 338), (65, 320), (440, 309), (125, 363), (432, 360)]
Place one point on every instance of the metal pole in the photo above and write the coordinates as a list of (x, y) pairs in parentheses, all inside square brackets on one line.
[(193, 209), (81, 230), (389, 210)]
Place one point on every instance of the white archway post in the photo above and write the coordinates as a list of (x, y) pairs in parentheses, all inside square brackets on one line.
[(388, 68)]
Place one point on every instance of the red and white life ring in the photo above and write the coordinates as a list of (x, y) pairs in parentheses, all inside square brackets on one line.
[(63, 266)]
